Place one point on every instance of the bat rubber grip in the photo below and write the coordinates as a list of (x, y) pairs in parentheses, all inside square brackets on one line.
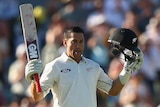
[(38, 87)]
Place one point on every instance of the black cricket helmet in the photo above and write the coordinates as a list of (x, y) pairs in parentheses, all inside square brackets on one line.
[(123, 38)]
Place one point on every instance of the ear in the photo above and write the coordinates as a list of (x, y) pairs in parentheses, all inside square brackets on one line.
[(65, 42)]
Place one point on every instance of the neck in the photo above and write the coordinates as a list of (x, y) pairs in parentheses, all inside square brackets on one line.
[(77, 59)]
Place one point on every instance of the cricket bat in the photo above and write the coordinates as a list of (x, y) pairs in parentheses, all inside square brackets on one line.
[(30, 36)]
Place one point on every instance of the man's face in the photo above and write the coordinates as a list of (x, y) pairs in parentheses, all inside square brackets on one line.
[(75, 46)]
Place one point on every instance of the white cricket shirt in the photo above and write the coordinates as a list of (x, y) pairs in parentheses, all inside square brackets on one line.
[(74, 84)]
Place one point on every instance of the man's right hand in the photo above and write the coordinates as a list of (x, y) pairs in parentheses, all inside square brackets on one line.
[(33, 67)]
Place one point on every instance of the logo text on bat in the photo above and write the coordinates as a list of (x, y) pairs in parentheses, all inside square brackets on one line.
[(33, 53)]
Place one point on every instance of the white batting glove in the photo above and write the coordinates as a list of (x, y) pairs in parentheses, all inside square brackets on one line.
[(131, 66), (33, 67)]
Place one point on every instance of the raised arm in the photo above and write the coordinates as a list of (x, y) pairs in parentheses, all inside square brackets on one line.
[(124, 76), (33, 67)]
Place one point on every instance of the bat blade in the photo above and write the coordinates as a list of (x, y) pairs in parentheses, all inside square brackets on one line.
[(30, 36)]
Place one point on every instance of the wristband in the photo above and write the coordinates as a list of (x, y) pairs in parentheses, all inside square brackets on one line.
[(124, 76)]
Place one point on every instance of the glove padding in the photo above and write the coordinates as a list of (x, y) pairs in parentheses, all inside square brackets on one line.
[(33, 67), (132, 66)]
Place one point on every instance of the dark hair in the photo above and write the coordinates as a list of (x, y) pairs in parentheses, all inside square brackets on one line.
[(68, 31)]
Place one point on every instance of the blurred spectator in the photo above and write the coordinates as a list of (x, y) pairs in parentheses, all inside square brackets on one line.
[(157, 14), (4, 50), (99, 51), (53, 6), (9, 12), (149, 67), (6, 56), (136, 93), (115, 11), (54, 37), (73, 11), (16, 74), (97, 16), (98, 30), (145, 10), (131, 21), (152, 31)]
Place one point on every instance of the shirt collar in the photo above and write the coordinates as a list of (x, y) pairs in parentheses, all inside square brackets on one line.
[(66, 58)]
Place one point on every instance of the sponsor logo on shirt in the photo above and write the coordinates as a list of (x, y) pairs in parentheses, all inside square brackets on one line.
[(65, 70), (89, 69)]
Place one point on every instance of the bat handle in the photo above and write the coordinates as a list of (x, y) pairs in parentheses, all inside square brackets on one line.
[(38, 87)]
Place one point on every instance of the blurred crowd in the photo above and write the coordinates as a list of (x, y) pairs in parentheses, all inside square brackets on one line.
[(98, 18)]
